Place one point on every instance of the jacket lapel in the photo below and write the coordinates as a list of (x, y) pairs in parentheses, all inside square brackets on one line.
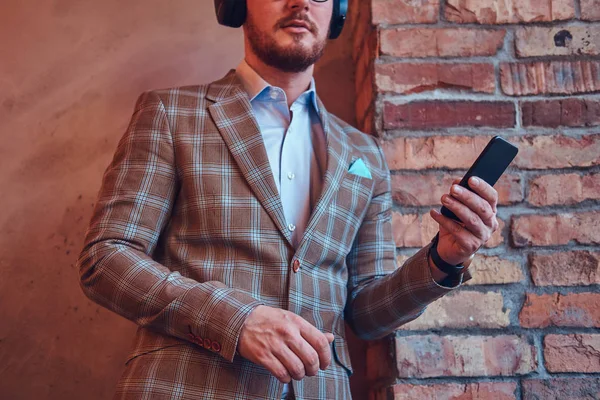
[(233, 116), (338, 157)]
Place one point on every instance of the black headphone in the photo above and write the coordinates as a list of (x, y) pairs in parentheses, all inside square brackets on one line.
[(233, 13)]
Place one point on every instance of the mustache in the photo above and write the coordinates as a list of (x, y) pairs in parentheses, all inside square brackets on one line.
[(312, 27)]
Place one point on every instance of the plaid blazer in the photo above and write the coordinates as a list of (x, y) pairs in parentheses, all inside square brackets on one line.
[(188, 236)]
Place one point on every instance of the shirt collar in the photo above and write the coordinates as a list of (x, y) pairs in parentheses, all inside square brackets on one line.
[(254, 85)]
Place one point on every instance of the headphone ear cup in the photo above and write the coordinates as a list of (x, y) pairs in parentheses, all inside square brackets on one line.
[(231, 12), (340, 10)]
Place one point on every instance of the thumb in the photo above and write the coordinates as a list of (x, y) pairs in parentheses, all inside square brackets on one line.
[(329, 337)]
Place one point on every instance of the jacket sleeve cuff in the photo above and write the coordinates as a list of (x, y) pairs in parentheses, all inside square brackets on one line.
[(220, 321)]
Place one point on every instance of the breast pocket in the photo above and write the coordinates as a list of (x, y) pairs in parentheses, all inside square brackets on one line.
[(354, 193), (348, 208)]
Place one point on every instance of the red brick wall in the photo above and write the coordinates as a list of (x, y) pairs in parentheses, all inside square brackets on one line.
[(436, 79)]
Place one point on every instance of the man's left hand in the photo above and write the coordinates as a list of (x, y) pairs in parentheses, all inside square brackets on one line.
[(477, 211)]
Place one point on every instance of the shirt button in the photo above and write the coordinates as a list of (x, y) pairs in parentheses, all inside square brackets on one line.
[(273, 94), (296, 266), (291, 175), (291, 227)]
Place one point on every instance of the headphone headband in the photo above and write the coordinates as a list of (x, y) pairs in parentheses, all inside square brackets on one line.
[(233, 13)]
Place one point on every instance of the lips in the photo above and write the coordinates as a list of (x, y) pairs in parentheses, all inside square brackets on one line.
[(298, 24)]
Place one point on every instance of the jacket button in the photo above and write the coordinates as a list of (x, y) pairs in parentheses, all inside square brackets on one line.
[(207, 343), (296, 266), (216, 346)]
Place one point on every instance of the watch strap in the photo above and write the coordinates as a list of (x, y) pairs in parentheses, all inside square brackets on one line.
[(442, 265)]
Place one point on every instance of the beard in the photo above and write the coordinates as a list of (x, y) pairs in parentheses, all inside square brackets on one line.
[(294, 58)]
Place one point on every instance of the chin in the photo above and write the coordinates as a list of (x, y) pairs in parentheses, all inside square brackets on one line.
[(296, 43)]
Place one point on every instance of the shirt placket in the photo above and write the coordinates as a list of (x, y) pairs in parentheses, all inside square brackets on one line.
[(295, 162)]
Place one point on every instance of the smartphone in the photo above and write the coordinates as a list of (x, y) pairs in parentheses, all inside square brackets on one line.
[(489, 166)]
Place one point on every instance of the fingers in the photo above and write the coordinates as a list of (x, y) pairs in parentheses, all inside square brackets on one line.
[(300, 358), (484, 190), (465, 240), (276, 368), (470, 220), (307, 355), (449, 224), (293, 363), (476, 209), (475, 203), (318, 340), (284, 343)]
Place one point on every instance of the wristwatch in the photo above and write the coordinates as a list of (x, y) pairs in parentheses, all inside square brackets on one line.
[(442, 265)]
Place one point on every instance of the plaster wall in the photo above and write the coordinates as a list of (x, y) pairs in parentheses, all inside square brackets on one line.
[(70, 71)]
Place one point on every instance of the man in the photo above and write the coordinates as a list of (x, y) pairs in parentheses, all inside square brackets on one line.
[(240, 225)]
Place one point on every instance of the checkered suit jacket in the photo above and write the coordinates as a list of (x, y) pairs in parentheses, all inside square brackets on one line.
[(188, 236)]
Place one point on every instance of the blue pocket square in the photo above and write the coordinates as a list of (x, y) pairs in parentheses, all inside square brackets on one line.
[(359, 168)]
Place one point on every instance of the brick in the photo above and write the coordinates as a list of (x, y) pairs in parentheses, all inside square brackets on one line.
[(406, 78), (557, 151), (573, 309), (508, 11), (427, 189), (563, 189), (590, 10), (433, 356), (454, 391), (572, 353), (408, 230), (413, 230), (509, 189), (441, 42), (405, 11), (401, 259), (569, 268), (571, 112), (463, 309), (448, 114), (557, 41), (556, 229), (487, 270), (561, 388), (453, 152), (550, 77), (497, 238)]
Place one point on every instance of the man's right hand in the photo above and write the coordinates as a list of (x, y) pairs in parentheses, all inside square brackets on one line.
[(284, 343)]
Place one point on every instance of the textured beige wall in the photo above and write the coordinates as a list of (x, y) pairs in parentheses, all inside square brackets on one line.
[(70, 71)]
